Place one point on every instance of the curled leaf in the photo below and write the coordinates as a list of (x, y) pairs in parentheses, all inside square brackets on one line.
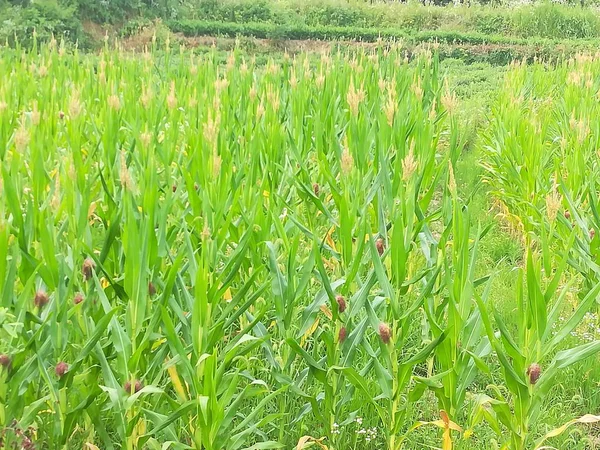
[(588, 418), (309, 441)]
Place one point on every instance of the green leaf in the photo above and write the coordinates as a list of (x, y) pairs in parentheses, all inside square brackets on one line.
[(317, 368)]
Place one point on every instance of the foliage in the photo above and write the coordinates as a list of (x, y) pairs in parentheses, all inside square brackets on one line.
[(540, 156), (47, 17), (325, 32), (311, 20), (542, 19), (208, 252), (172, 283)]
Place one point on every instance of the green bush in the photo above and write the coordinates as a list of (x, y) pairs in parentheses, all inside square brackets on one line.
[(272, 31), (548, 20), (492, 23), (47, 17), (119, 11), (329, 15)]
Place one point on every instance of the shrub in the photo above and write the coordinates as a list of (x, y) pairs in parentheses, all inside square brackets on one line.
[(47, 17)]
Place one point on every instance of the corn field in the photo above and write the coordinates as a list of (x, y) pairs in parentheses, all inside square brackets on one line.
[(223, 255)]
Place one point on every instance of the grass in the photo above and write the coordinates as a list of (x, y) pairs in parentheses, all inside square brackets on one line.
[(203, 251)]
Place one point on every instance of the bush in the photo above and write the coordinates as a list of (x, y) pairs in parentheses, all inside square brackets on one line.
[(335, 16), (247, 11), (553, 21), (493, 23), (47, 17)]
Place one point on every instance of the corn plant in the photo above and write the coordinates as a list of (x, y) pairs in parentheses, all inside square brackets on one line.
[(458, 359), (215, 254), (540, 153), (529, 358), (393, 192), (540, 158)]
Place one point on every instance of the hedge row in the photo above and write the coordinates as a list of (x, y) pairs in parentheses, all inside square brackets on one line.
[(302, 32), (273, 31), (541, 19), (325, 33)]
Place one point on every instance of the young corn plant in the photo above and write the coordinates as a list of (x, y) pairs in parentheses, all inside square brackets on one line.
[(127, 265), (529, 358), (337, 218), (540, 153), (453, 313), (217, 254)]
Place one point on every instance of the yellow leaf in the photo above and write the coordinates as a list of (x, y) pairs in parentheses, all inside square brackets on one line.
[(437, 423), (91, 209), (176, 381), (468, 433), (444, 423), (455, 427), (138, 430), (91, 446), (330, 264), (227, 295), (587, 418), (139, 208), (310, 331), (266, 194), (448, 423), (447, 443), (325, 310), (302, 442), (329, 240), (158, 343), (141, 426), (308, 441)]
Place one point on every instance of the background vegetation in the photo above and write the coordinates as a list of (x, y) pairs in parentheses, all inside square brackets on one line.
[(290, 20)]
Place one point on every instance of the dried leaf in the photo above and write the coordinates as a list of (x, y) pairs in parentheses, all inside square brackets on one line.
[(588, 418), (325, 310), (308, 441)]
